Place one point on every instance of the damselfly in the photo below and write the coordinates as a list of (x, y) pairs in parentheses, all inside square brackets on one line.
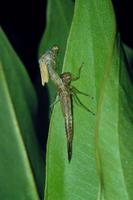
[(64, 89)]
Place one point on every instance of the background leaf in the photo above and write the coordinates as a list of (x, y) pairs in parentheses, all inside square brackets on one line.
[(128, 53), (21, 164), (103, 143), (59, 16)]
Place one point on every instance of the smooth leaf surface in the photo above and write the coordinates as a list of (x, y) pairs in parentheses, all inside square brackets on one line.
[(59, 16), (102, 164), (21, 164)]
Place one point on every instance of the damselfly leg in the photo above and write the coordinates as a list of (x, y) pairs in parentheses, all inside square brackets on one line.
[(75, 90), (75, 78), (79, 103)]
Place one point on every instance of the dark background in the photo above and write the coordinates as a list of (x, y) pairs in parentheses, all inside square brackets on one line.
[(24, 23)]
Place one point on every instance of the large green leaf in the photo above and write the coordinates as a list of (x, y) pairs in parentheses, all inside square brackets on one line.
[(59, 16), (102, 163), (21, 165)]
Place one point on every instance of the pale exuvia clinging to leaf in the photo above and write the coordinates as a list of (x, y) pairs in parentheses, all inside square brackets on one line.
[(43, 72)]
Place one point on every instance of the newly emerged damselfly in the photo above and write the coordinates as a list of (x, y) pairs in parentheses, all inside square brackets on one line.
[(65, 91)]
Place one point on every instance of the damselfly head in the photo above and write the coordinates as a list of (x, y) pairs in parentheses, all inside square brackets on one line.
[(66, 78)]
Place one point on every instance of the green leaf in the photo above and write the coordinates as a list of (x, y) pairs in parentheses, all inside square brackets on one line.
[(102, 163), (59, 16), (21, 164)]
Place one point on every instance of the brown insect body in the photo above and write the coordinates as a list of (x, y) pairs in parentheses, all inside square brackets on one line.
[(64, 89), (66, 105), (62, 84)]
